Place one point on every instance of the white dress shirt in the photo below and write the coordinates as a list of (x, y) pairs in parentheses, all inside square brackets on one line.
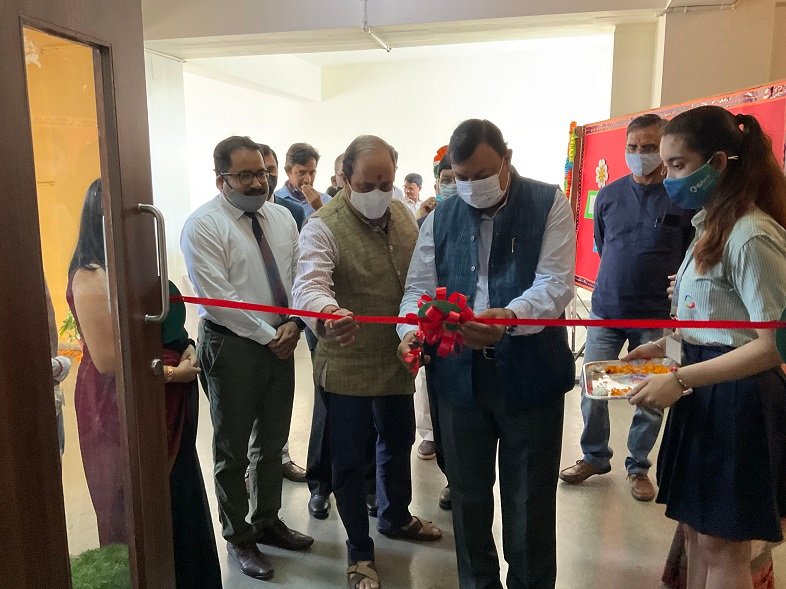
[(412, 206), (224, 262), (550, 293), (313, 289)]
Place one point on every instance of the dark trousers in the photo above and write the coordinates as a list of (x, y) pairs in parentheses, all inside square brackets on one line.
[(251, 393), (530, 442), (318, 468), (352, 420), (196, 559)]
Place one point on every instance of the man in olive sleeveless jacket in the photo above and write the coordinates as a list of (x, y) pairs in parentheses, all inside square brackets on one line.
[(355, 255), (508, 244)]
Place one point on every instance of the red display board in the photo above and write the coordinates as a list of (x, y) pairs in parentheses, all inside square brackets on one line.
[(600, 158)]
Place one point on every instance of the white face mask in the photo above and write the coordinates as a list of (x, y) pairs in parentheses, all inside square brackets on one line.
[(373, 204), (642, 164), (481, 194)]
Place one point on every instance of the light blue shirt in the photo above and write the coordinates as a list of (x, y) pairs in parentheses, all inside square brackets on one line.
[(747, 284), (284, 193)]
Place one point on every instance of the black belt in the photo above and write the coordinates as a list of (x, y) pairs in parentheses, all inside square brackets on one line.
[(226, 331), (219, 328), (487, 353)]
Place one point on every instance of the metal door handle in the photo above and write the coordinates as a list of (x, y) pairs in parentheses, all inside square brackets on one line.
[(162, 267)]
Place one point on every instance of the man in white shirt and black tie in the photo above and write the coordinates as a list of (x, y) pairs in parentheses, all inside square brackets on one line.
[(241, 247)]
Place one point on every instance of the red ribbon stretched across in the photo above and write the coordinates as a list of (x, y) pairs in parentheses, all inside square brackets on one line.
[(441, 328), (412, 319)]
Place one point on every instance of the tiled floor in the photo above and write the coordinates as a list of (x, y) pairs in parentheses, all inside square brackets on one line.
[(606, 539)]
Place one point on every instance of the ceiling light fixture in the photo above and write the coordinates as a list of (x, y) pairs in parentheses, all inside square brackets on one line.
[(369, 32), (686, 8)]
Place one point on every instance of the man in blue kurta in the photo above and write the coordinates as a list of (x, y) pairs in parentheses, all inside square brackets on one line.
[(641, 237), (507, 243)]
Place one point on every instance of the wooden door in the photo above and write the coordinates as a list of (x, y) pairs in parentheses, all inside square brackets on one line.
[(56, 137)]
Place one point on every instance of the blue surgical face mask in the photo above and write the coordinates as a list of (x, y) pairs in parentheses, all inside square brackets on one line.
[(446, 191), (691, 192), (642, 164)]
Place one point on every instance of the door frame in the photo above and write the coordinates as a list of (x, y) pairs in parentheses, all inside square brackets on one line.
[(33, 516)]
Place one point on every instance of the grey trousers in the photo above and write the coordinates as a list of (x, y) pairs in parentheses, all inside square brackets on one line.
[(530, 441), (251, 393)]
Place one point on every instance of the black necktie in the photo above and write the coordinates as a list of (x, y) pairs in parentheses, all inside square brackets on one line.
[(280, 298)]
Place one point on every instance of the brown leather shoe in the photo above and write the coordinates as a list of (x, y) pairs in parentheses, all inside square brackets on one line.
[(251, 561), (580, 472), (293, 472), (640, 487), (427, 450), (278, 534)]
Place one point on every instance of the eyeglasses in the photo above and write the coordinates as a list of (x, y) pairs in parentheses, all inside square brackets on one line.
[(246, 178)]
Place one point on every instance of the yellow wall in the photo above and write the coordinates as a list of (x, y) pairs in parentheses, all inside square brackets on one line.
[(61, 92)]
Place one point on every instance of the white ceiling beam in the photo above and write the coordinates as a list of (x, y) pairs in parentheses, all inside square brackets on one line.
[(412, 34)]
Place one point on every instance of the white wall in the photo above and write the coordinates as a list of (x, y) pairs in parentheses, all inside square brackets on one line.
[(415, 105), (168, 154), (778, 71), (634, 62), (710, 52)]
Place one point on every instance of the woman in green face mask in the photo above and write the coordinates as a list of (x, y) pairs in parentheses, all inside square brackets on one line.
[(722, 463)]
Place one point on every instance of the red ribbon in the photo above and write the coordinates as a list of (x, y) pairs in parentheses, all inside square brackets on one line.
[(412, 319), (438, 325)]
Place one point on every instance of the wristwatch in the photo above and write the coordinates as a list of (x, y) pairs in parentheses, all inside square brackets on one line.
[(301, 325)]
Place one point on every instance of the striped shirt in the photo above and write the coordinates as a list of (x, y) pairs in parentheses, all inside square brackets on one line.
[(748, 284)]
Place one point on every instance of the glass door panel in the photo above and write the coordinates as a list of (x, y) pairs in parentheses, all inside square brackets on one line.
[(85, 350)]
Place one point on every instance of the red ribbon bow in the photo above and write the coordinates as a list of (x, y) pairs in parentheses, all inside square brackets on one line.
[(438, 321)]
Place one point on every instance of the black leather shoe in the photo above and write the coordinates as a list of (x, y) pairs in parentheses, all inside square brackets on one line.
[(279, 535), (292, 472), (319, 506), (251, 561), (444, 499), (371, 505)]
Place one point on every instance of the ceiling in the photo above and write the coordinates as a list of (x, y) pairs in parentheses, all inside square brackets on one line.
[(398, 37), (452, 51)]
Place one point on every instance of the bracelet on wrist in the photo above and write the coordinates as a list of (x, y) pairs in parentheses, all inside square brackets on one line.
[(657, 344), (686, 390), (169, 373)]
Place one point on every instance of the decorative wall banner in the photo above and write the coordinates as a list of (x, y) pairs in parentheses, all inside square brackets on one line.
[(601, 157), (571, 159)]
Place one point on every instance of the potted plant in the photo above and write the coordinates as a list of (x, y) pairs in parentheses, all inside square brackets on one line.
[(101, 568), (73, 340)]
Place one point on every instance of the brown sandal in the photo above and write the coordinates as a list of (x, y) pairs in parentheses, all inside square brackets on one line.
[(360, 570), (418, 529)]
